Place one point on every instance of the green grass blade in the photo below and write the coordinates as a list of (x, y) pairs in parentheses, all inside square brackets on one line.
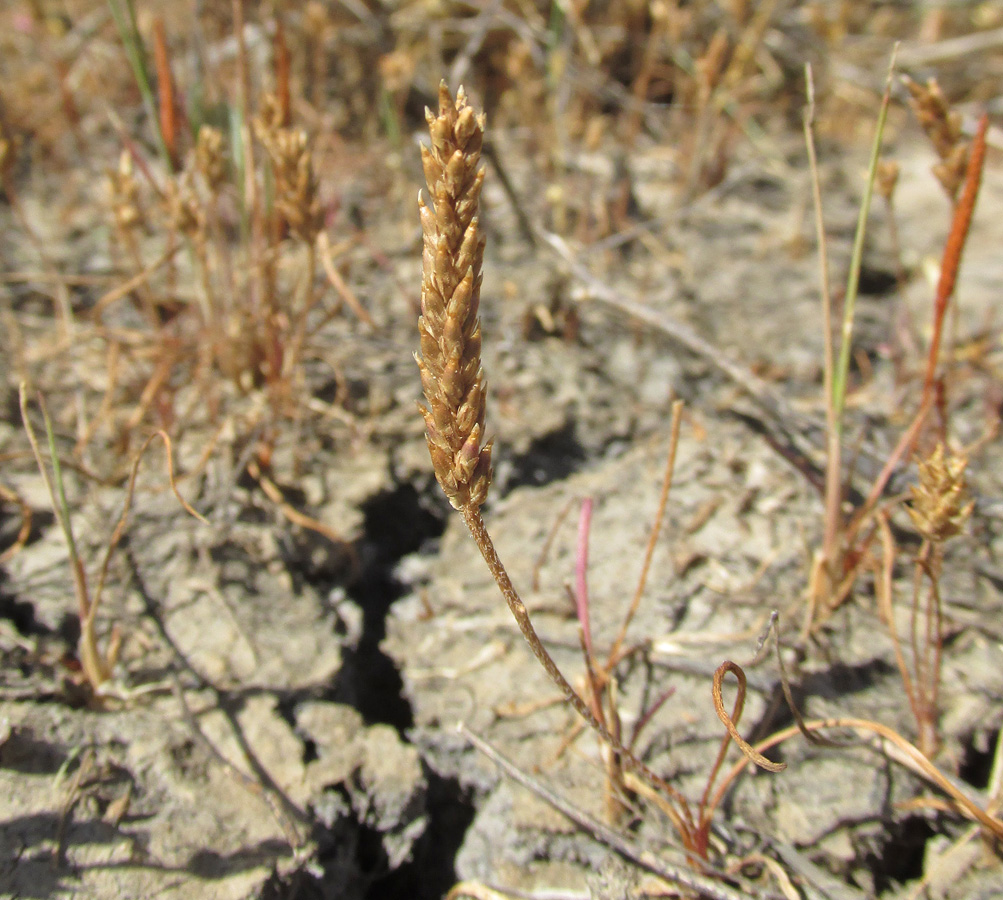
[(840, 376), (128, 32)]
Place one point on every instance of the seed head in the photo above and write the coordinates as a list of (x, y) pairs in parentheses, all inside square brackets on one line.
[(183, 208), (938, 506), (449, 328), (123, 192), (942, 126), (296, 191), (210, 159)]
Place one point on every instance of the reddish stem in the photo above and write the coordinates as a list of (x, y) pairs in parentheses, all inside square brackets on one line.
[(581, 574), (954, 247), (165, 92), (282, 75)]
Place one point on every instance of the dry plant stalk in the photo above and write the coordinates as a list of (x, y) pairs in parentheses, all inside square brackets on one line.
[(97, 665), (450, 334), (939, 507), (296, 193), (454, 386)]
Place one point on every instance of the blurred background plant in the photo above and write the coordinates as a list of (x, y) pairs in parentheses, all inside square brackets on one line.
[(237, 203)]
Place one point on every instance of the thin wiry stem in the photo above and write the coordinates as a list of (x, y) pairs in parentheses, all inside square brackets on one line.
[(841, 373), (649, 552), (475, 524)]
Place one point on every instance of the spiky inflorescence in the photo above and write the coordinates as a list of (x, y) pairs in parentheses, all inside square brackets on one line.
[(942, 126), (939, 506), (452, 253), (296, 190)]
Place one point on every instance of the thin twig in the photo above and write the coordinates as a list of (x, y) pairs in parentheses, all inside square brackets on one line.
[(339, 283), (752, 385), (731, 722), (649, 552), (898, 749), (251, 785), (833, 470)]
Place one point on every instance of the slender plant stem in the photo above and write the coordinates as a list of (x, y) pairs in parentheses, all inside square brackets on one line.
[(649, 552), (885, 592), (833, 468), (841, 373), (94, 665), (904, 753), (603, 833), (475, 524)]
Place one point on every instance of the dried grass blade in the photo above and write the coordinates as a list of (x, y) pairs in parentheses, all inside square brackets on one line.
[(127, 287), (730, 722), (339, 283), (274, 493)]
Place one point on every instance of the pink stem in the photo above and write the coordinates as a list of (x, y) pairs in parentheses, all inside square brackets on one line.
[(581, 573)]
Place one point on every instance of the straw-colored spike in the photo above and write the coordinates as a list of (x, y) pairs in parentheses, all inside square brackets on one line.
[(452, 254)]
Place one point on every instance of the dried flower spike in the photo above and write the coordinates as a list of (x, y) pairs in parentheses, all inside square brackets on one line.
[(183, 209), (210, 159), (938, 506), (943, 127), (124, 194), (450, 366), (452, 254), (296, 190)]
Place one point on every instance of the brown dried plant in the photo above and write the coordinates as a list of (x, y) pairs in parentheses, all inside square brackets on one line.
[(452, 254), (183, 208), (454, 386), (221, 300), (938, 507), (97, 664), (450, 340), (129, 218), (942, 126), (210, 158), (296, 193)]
